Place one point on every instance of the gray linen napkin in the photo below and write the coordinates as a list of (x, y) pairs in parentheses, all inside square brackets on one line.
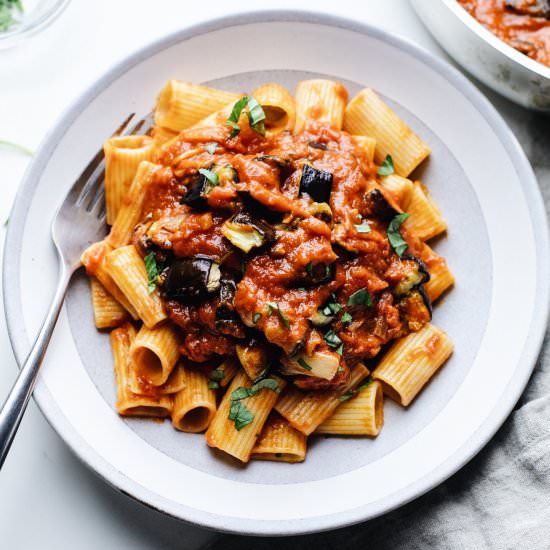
[(501, 499)]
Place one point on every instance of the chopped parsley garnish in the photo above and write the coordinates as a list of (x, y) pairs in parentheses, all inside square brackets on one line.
[(256, 317), (210, 176), (347, 318), (387, 167), (301, 289), (238, 411), (352, 393), (243, 267), (309, 268), (213, 385), (398, 243), (360, 297), (332, 339), (340, 349), (271, 306), (217, 374), (211, 147), (7, 8), (152, 271), (256, 115), (363, 228), (303, 363)]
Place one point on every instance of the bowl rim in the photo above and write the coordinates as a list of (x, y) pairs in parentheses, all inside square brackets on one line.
[(118, 480), (502, 47)]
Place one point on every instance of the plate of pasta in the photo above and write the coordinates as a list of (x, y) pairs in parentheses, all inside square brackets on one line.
[(296, 318)]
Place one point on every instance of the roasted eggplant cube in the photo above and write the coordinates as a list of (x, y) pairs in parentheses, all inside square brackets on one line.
[(190, 278), (378, 206), (317, 274), (225, 173), (321, 211), (197, 191), (415, 309), (320, 319), (416, 274), (257, 209), (316, 183), (246, 232), (535, 8)]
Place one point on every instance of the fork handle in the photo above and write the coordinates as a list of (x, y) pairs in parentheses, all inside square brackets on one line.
[(16, 403)]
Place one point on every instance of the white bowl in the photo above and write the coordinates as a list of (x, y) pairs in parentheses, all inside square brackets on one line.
[(497, 237), (498, 65)]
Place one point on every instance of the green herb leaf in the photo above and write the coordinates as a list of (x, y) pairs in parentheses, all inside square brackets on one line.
[(266, 383), (340, 349), (6, 13), (309, 268), (210, 176), (238, 411), (239, 393), (271, 306), (211, 147), (360, 297), (352, 393), (243, 267), (213, 385), (257, 316), (216, 374), (256, 115), (363, 228), (346, 396), (238, 109), (11, 144), (152, 271), (398, 243), (365, 384), (302, 362), (235, 126), (332, 339), (301, 289), (347, 318), (240, 415), (387, 167)]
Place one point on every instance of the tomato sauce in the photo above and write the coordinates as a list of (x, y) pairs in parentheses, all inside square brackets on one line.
[(317, 255), (521, 23)]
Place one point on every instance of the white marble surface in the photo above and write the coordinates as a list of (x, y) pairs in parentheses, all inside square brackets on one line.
[(48, 499)]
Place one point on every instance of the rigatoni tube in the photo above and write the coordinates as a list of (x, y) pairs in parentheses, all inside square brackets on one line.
[(410, 363)]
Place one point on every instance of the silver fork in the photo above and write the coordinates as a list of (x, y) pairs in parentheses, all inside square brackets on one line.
[(79, 222)]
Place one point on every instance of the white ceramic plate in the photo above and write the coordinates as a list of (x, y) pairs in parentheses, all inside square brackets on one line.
[(497, 246)]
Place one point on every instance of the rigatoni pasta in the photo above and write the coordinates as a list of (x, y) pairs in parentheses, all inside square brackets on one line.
[(366, 114), (259, 256), (242, 414), (195, 405), (280, 442), (411, 362), (129, 403), (123, 155), (108, 313), (155, 353), (180, 105), (361, 413), (125, 266), (323, 100)]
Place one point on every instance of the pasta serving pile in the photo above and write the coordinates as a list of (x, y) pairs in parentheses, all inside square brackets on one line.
[(266, 274)]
